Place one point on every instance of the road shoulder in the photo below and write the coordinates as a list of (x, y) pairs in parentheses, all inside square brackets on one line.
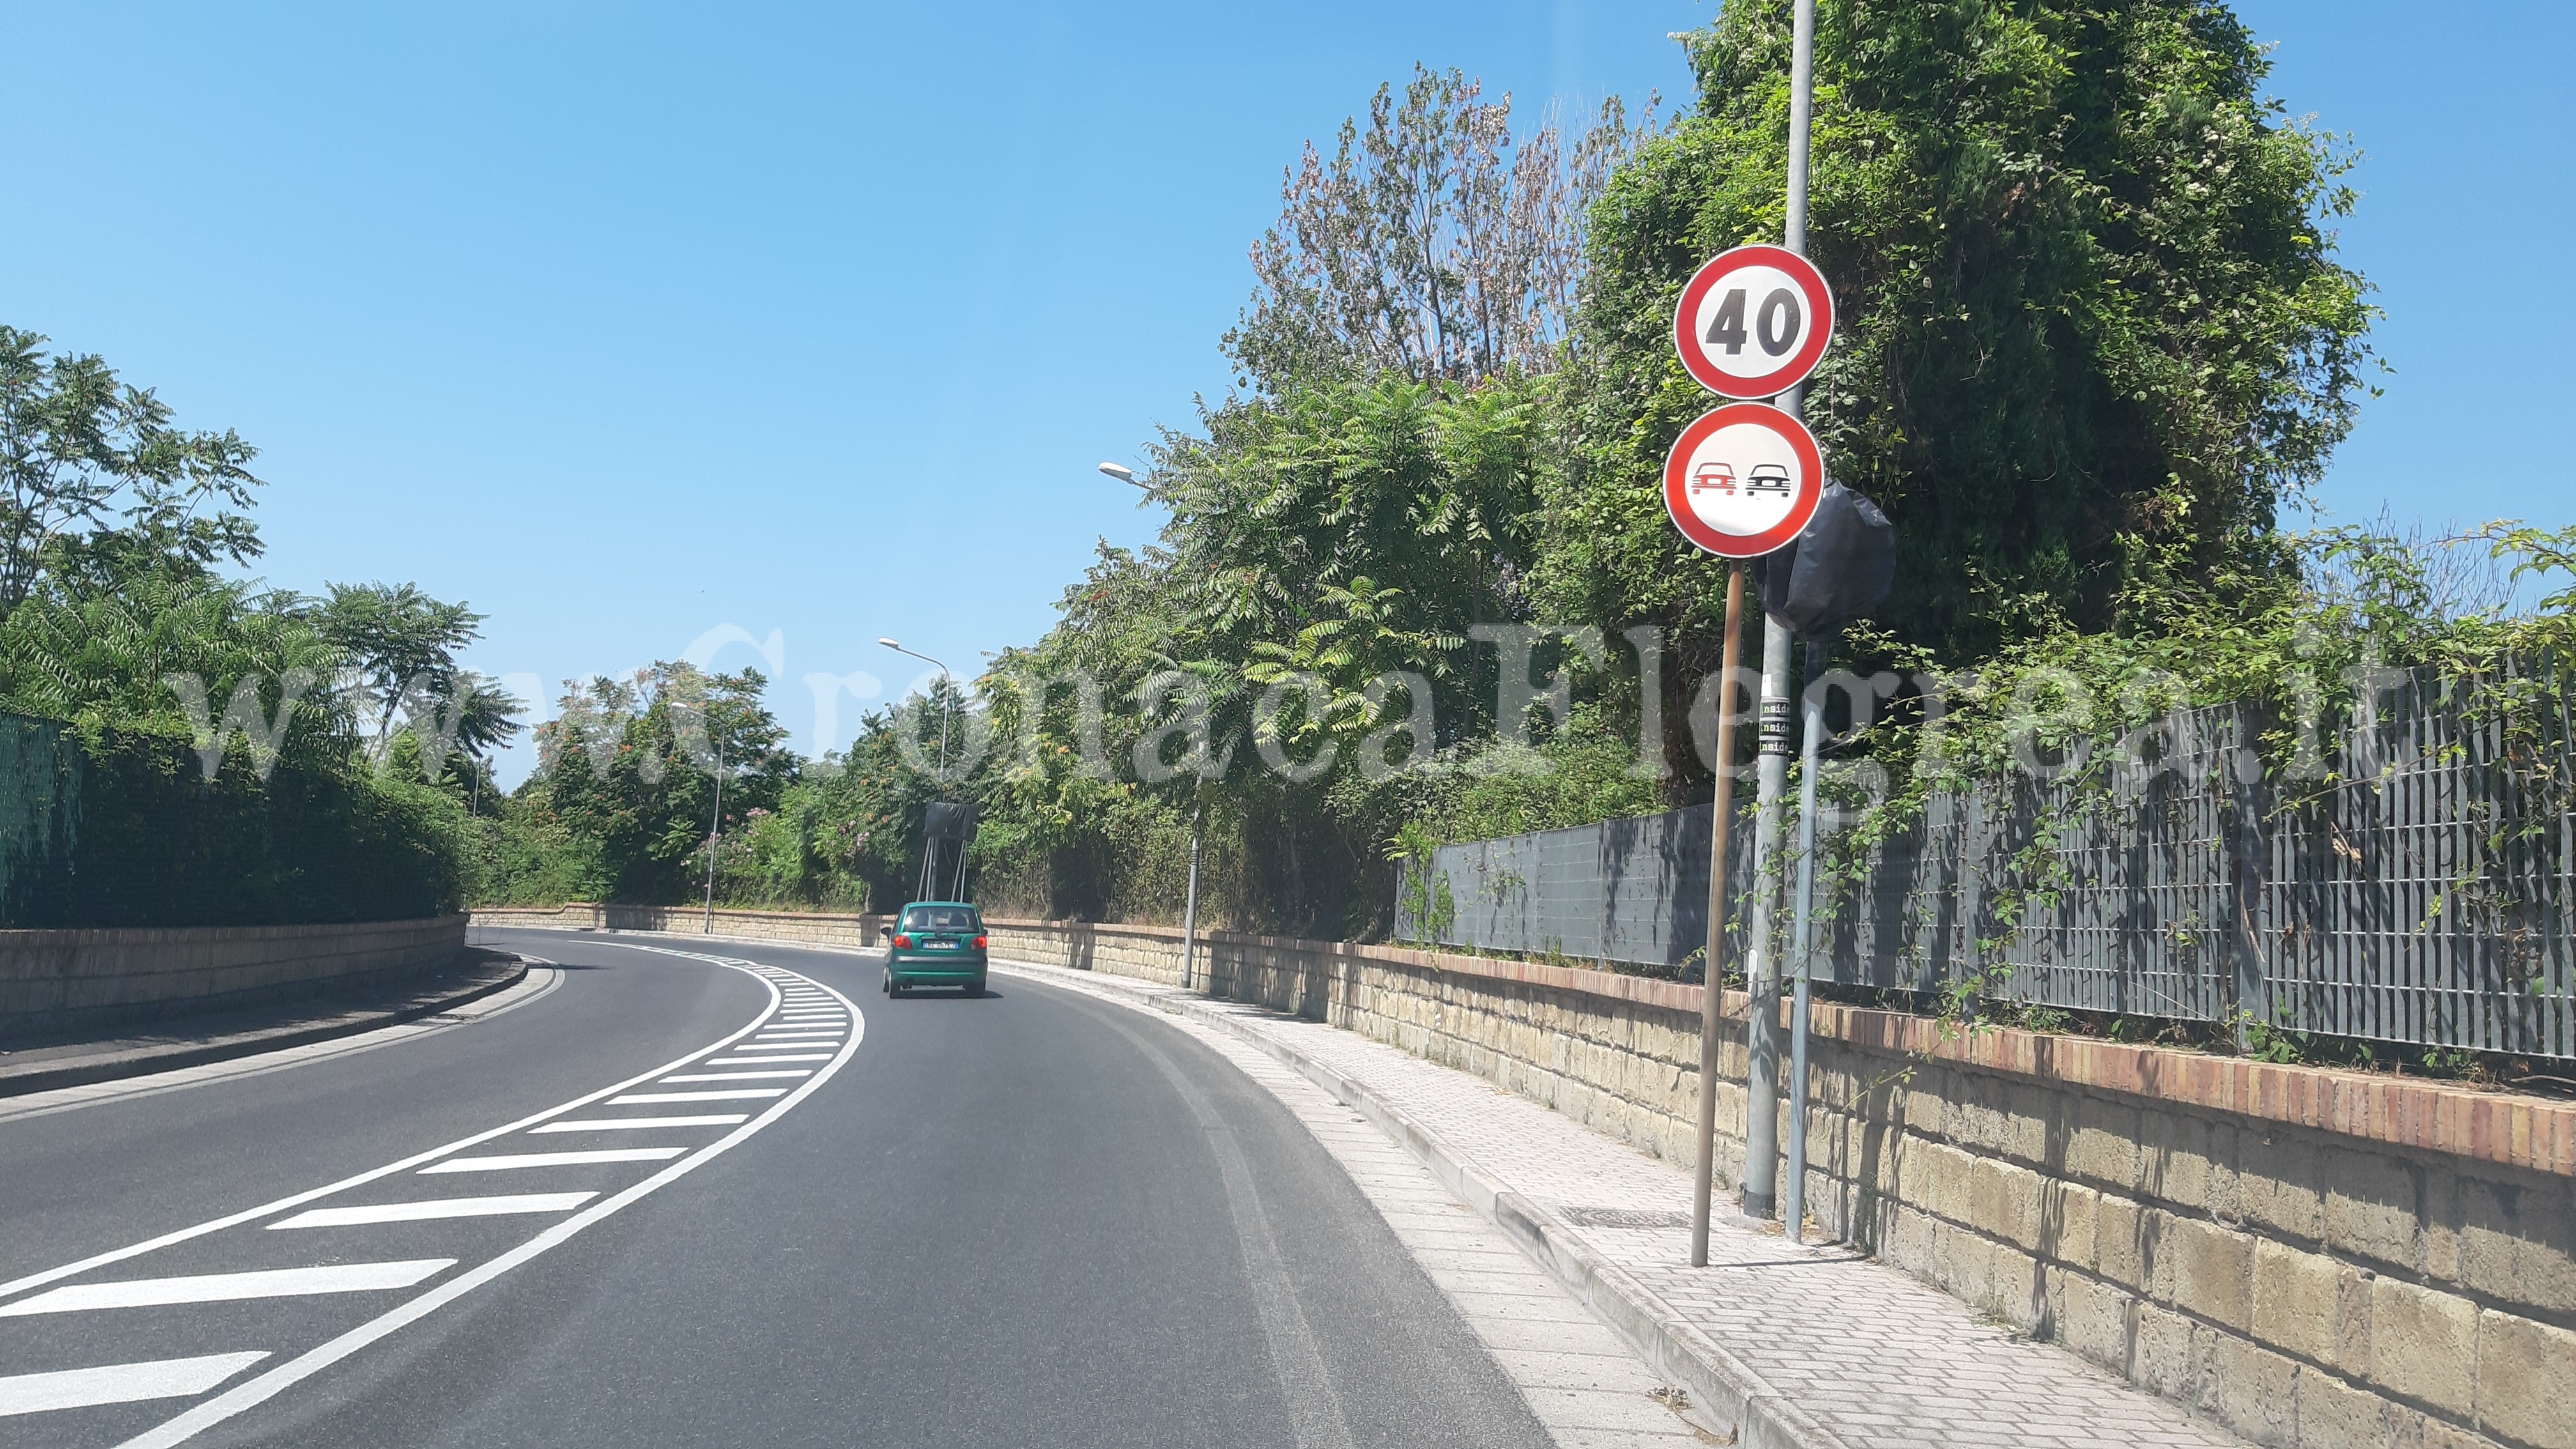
[(184, 1041), (1581, 1380), (524, 979)]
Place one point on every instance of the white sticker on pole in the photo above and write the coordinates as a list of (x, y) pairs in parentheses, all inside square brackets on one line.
[(1743, 480), (1753, 322)]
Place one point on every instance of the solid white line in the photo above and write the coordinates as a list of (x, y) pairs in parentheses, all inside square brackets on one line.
[(785, 1046), (763, 1061), (739, 1094), (216, 1225), (738, 1076), (227, 1287), (286, 1375), (119, 1383), (617, 1124), (437, 1208), (504, 1163), (798, 1038)]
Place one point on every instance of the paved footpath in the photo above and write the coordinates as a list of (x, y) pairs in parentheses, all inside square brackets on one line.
[(1829, 1347)]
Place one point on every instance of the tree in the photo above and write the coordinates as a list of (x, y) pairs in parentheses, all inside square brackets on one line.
[(401, 645), (96, 482), (2094, 333), (626, 771), (1422, 248)]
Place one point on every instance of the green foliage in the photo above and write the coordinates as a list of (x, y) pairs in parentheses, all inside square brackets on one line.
[(626, 784), (218, 739), (2092, 333), (95, 482), (147, 840)]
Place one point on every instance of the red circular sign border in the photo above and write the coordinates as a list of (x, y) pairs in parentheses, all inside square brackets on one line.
[(1796, 369), (1811, 489)]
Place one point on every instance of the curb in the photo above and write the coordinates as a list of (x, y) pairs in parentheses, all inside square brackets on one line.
[(143, 1061), (1764, 1417)]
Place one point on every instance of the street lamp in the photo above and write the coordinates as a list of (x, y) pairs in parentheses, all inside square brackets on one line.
[(945, 707), (1190, 904)]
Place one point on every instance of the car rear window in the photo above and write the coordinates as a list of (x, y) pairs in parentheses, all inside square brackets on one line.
[(942, 918)]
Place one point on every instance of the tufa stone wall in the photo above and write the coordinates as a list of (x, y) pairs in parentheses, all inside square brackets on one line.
[(57, 981)]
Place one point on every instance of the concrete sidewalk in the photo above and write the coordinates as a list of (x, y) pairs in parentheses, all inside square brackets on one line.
[(1814, 1347)]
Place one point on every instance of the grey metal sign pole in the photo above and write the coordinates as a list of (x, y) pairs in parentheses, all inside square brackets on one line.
[(1761, 963), (1793, 1200), (1190, 907)]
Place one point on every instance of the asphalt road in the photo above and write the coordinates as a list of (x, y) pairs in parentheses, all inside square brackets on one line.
[(1029, 1219)]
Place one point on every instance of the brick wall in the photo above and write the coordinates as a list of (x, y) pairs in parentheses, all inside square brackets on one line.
[(2314, 1257)]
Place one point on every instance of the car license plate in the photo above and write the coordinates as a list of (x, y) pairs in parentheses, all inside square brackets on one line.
[(939, 945)]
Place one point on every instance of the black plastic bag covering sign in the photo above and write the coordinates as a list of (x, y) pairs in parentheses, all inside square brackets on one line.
[(1838, 568), (949, 822)]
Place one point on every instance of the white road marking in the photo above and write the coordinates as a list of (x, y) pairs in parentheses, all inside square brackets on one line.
[(294, 1371), (785, 1046), (506, 1162), (216, 1225), (739, 1076), (628, 1124), (436, 1209), (119, 1383), (764, 1061), (738, 1094), (226, 1287), (797, 1038)]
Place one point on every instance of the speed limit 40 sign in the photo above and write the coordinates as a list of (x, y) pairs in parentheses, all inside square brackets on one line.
[(1753, 322)]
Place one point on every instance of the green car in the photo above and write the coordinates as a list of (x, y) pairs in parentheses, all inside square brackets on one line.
[(935, 943)]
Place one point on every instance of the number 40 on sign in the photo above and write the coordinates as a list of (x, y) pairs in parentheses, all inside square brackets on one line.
[(1753, 322)]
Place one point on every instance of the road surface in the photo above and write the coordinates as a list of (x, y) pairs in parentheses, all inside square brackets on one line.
[(723, 1196)]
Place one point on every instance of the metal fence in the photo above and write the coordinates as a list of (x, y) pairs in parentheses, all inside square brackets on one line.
[(2427, 897)]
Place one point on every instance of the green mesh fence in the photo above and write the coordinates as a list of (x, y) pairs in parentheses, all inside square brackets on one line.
[(111, 829)]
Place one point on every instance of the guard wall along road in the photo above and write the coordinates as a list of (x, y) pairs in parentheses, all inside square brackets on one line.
[(53, 981)]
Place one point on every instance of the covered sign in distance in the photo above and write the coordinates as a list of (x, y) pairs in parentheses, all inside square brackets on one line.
[(1743, 480), (1753, 322)]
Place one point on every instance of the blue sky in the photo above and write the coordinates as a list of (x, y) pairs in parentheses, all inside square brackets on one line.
[(643, 327)]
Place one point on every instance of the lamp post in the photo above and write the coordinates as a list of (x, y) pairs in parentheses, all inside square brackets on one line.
[(715, 831), (930, 847), (1190, 904), (945, 705)]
